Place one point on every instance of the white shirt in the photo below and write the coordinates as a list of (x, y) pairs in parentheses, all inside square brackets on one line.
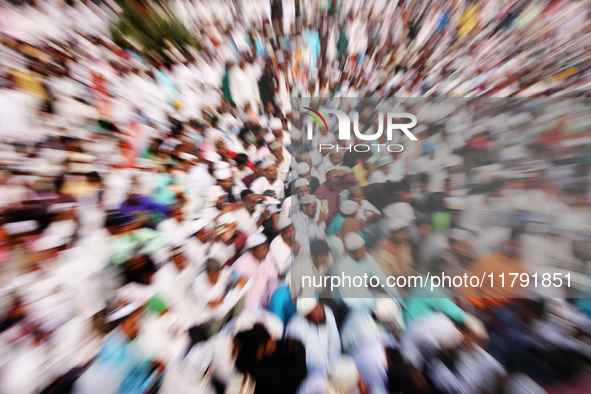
[(261, 184), (281, 253), (246, 222)]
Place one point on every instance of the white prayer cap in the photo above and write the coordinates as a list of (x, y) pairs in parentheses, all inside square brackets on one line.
[(271, 201), (197, 225), (266, 164), (344, 374), (46, 243), (284, 222), (287, 107), (296, 134), (349, 207), (214, 192), (21, 227), (301, 182), (402, 210), (212, 156), (458, 234), (395, 224), (384, 160), (330, 168), (226, 218), (269, 137), (263, 122), (275, 124), (254, 240), (187, 156), (455, 203), (306, 305), (379, 177), (275, 145), (222, 174), (353, 242), (302, 168), (123, 311), (308, 199), (62, 207), (221, 165), (388, 310)]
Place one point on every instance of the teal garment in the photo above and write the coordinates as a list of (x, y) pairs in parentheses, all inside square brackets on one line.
[(336, 224), (120, 367), (164, 195), (168, 82), (226, 87), (441, 221), (313, 44), (281, 304), (422, 301), (124, 246)]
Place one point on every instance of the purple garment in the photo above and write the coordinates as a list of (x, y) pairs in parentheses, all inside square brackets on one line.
[(143, 204)]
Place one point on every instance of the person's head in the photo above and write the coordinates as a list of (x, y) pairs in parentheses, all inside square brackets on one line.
[(213, 268), (356, 194), (276, 149), (221, 200), (271, 172), (459, 242), (402, 190), (140, 269), (320, 252), (349, 208), (241, 160), (258, 169), (302, 187), (398, 230), (179, 258), (131, 324), (284, 228), (424, 181), (258, 246), (333, 178), (335, 157), (309, 205), (303, 170), (355, 245), (249, 199), (176, 212)]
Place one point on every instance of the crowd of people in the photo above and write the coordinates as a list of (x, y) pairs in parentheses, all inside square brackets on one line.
[(160, 211)]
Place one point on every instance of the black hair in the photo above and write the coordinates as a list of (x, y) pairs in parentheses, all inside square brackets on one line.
[(241, 159), (245, 193)]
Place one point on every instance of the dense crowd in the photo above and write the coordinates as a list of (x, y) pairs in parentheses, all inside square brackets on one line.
[(159, 211)]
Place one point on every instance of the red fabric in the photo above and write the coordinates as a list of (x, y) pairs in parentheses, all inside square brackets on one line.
[(233, 155)]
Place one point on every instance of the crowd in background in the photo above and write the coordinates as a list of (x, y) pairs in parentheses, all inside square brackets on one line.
[(159, 210)]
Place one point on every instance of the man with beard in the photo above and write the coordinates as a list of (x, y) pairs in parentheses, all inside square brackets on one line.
[(270, 181)]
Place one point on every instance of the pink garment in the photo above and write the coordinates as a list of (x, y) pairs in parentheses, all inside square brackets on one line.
[(264, 275)]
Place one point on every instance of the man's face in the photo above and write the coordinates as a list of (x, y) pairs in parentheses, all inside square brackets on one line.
[(320, 259), (271, 173), (357, 196), (213, 276), (286, 233), (317, 314), (259, 171), (335, 158), (226, 184), (359, 254), (303, 190), (400, 235), (307, 175), (180, 260), (310, 209), (278, 153), (277, 132), (203, 235), (250, 203), (260, 252), (333, 178), (131, 325), (220, 202)]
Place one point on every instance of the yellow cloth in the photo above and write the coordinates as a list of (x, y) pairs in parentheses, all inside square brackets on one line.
[(360, 174)]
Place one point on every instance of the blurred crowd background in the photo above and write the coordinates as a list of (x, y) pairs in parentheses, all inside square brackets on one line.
[(160, 197)]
